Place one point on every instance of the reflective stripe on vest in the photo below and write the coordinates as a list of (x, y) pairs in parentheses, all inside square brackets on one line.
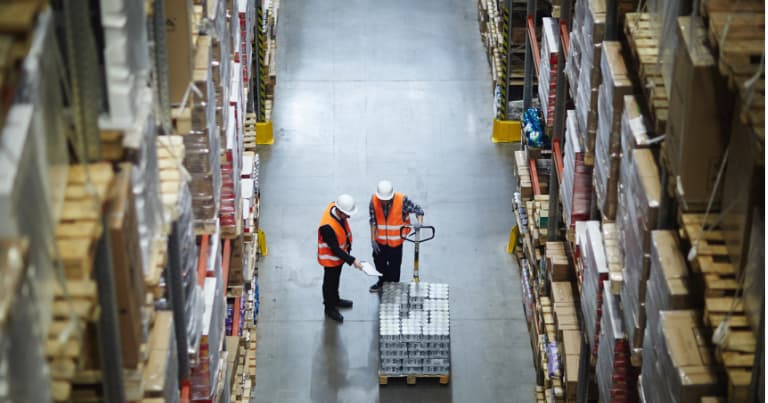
[(325, 255), (388, 228)]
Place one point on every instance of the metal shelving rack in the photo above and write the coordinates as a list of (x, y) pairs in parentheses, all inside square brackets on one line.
[(532, 60)]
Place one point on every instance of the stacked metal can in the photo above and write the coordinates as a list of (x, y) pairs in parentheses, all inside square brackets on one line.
[(414, 329)]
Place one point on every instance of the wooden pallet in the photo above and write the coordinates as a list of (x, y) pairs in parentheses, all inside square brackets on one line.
[(411, 379), (170, 152), (523, 175), (742, 6), (643, 45), (737, 32), (721, 285)]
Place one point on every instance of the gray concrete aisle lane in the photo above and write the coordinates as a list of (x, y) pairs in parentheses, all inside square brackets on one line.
[(400, 90)]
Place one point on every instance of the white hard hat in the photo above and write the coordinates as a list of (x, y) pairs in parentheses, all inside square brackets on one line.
[(385, 191), (346, 204)]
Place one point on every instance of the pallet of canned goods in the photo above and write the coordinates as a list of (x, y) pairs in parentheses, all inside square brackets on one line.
[(414, 332)]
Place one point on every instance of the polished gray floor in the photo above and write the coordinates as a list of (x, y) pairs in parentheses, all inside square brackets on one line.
[(395, 89)]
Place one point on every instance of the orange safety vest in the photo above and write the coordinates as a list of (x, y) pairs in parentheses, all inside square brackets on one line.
[(325, 255), (388, 228)]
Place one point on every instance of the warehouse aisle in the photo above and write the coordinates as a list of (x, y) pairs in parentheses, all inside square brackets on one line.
[(400, 90)]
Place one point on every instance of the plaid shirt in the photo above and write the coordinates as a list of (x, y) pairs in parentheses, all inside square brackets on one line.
[(409, 207)]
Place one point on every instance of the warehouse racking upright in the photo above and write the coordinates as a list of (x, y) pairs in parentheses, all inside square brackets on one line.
[(658, 254)]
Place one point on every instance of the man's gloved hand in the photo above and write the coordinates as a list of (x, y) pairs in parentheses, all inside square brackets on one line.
[(375, 246)]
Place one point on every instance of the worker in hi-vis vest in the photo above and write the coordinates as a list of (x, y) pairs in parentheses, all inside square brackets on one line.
[(334, 242), (389, 210)]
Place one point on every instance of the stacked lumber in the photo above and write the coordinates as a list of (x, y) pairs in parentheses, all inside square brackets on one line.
[(644, 48), (71, 347), (17, 25), (723, 305), (736, 31), (523, 175)]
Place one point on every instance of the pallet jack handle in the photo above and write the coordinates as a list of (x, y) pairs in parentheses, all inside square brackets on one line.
[(414, 236)]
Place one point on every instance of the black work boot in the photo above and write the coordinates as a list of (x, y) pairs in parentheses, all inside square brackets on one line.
[(334, 314), (376, 287)]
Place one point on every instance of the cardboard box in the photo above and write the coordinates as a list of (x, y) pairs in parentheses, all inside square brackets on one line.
[(178, 31), (127, 266), (700, 112), (739, 191), (684, 358), (159, 344)]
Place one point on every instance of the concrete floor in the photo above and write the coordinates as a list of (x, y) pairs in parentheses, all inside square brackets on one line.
[(398, 89)]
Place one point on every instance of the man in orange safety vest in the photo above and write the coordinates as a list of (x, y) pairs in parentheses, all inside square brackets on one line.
[(389, 211), (334, 243)]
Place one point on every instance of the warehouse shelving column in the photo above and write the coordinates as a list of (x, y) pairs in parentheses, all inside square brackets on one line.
[(505, 130), (156, 28), (553, 224), (264, 133), (84, 84), (530, 54)]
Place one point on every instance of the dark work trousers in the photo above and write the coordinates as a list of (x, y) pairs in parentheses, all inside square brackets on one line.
[(388, 261), (331, 277)]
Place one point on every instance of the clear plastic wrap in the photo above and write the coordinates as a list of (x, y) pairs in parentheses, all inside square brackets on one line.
[(679, 361), (592, 31), (615, 86), (146, 188), (550, 38), (668, 283), (595, 272), (414, 329), (636, 218), (576, 189), (614, 372), (39, 88), (126, 60), (24, 210)]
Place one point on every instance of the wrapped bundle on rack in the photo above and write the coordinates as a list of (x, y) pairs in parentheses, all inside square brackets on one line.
[(576, 189), (592, 32), (679, 362), (699, 118), (634, 128), (230, 214), (26, 265), (126, 60), (205, 376), (533, 129), (550, 37), (637, 218), (573, 59), (615, 376), (246, 27), (146, 185), (613, 257), (668, 283), (161, 374), (595, 273), (185, 233), (616, 84), (202, 142)]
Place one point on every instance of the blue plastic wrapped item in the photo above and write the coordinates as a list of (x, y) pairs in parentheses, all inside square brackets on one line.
[(533, 131), (553, 362)]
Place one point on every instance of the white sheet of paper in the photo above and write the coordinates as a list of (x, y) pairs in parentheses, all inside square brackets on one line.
[(369, 269)]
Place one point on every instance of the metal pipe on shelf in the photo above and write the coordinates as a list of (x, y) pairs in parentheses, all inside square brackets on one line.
[(611, 20)]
